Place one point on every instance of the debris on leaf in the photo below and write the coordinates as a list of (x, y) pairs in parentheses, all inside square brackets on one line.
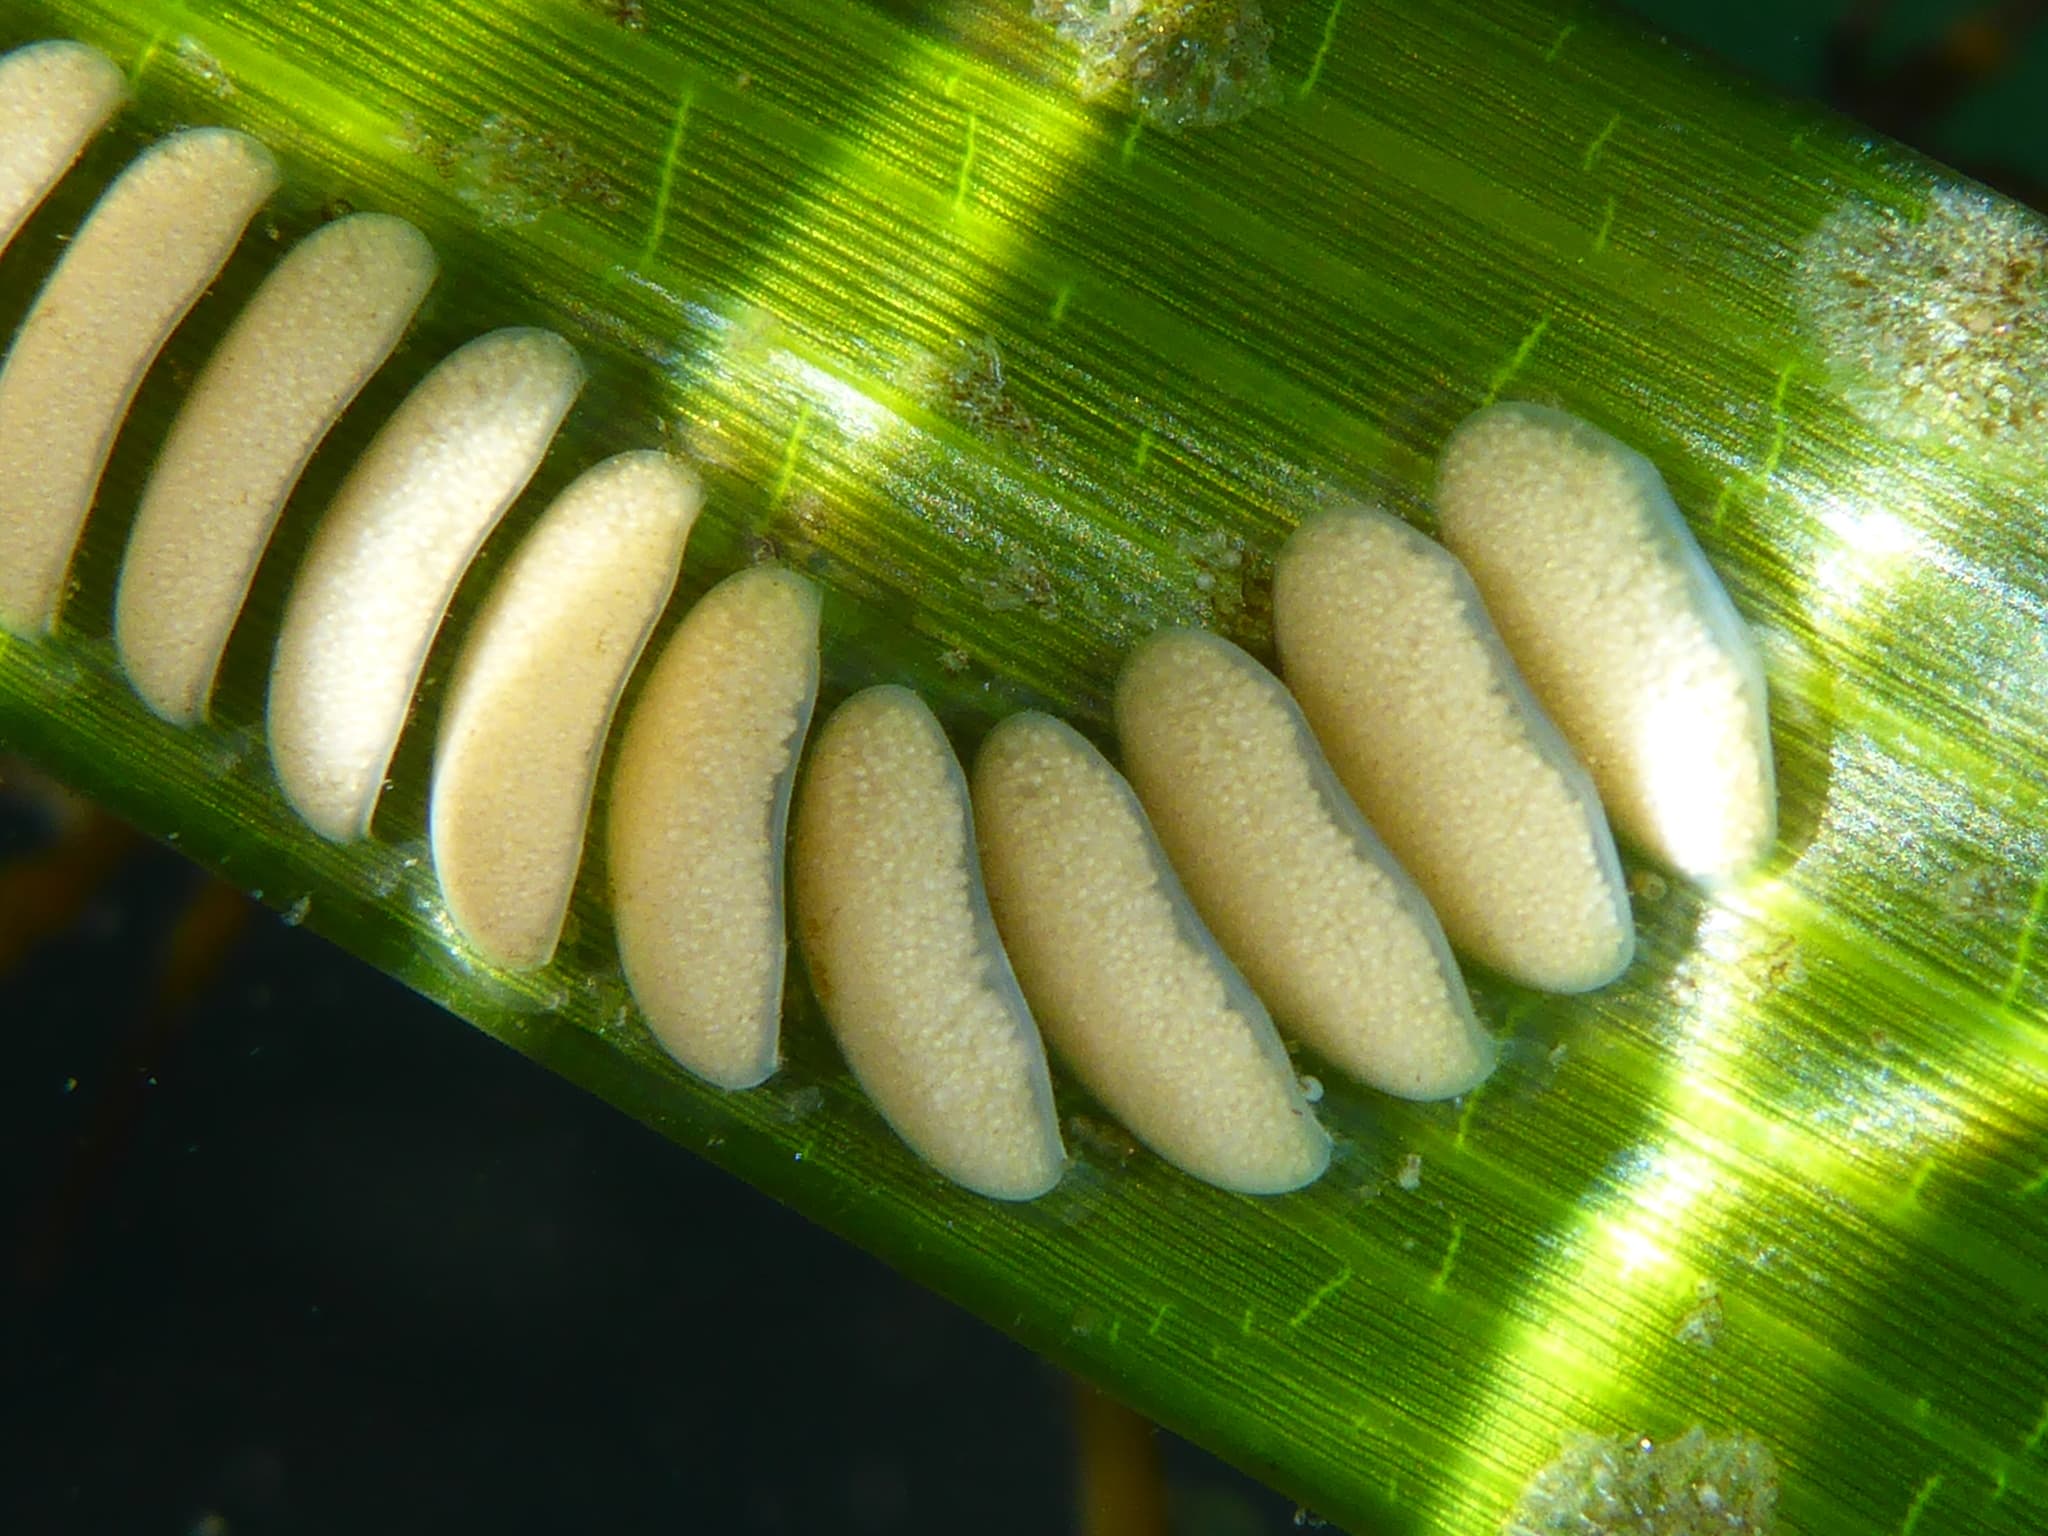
[(1935, 321), (1695, 1485), (1176, 63), (1701, 1327), (510, 172), (1410, 1176)]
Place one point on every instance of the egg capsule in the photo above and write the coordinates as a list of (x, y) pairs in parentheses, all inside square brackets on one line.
[(532, 700), (151, 245), (698, 809), (385, 560), (906, 963), (321, 323), (1385, 643), (1287, 874), (1130, 988), (1621, 628), (53, 98)]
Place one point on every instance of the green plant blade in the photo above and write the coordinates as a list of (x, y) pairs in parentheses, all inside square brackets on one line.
[(1020, 378)]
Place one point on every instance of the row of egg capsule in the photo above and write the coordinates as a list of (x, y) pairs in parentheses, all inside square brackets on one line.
[(1144, 923), (1293, 846)]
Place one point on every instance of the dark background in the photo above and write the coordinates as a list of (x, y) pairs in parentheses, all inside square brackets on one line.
[(291, 1250)]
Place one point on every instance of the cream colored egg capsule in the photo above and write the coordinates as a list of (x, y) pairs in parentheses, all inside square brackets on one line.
[(531, 703), (698, 809), (1621, 628), (1130, 988), (151, 245), (1287, 874), (321, 323), (1386, 645), (385, 560), (53, 98), (895, 931)]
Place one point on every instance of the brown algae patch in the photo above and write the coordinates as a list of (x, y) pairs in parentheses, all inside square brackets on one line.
[(1695, 1485), (1176, 63), (1935, 320), (510, 171), (967, 383)]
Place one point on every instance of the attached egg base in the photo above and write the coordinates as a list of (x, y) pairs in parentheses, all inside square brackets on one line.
[(1622, 629), (1287, 874), (697, 815), (322, 322), (1127, 984), (53, 98), (903, 956), (386, 558), (158, 236), (1385, 643), (540, 674)]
